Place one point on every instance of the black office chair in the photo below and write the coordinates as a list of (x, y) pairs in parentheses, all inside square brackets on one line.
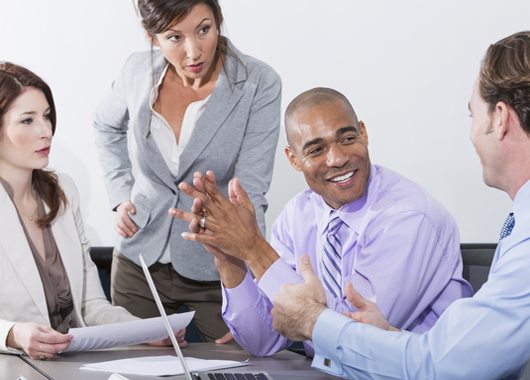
[(102, 257), (477, 262)]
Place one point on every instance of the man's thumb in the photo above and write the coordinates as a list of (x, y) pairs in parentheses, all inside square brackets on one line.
[(306, 270), (355, 298)]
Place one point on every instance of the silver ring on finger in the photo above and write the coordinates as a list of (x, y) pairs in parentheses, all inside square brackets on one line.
[(203, 220)]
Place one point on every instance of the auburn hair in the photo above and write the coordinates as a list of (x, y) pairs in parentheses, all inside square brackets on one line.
[(14, 80)]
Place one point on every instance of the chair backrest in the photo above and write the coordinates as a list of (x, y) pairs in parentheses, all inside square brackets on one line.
[(477, 261), (102, 257)]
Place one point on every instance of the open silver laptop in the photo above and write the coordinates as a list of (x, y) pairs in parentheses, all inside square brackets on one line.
[(245, 375)]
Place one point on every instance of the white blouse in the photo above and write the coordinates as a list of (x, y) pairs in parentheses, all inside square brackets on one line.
[(165, 140)]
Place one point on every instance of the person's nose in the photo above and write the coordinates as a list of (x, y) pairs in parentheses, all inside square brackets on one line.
[(336, 157), (46, 130), (193, 49)]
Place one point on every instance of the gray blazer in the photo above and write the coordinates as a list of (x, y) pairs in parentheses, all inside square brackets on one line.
[(235, 137)]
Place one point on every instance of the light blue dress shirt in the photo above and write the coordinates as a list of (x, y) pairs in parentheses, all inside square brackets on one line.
[(484, 337)]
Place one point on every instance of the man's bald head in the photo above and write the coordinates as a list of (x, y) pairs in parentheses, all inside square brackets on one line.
[(313, 98)]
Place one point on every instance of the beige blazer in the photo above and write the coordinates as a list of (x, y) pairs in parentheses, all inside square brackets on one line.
[(21, 293)]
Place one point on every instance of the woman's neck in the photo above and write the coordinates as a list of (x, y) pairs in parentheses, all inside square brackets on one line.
[(20, 181)]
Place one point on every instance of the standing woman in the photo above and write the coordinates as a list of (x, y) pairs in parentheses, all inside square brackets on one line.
[(196, 104), (48, 282)]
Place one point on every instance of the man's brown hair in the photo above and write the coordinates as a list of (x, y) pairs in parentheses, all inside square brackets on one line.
[(505, 76)]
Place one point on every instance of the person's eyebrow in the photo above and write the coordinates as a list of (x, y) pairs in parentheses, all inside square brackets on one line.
[(316, 141), (178, 31), (33, 112), (344, 130)]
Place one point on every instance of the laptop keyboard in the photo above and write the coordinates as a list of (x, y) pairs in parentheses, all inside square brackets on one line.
[(234, 376)]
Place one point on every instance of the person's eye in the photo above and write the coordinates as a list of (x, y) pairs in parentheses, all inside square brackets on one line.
[(349, 139), (204, 30), (174, 38), (29, 120), (314, 152), (47, 116)]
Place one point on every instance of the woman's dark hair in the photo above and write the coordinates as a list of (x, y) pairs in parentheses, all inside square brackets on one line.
[(14, 80), (505, 76), (160, 15)]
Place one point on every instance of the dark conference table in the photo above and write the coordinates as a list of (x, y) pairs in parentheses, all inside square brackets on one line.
[(66, 366)]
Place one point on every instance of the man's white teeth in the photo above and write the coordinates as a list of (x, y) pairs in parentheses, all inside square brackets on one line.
[(343, 178)]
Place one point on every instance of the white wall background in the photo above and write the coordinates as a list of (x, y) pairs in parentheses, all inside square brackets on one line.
[(408, 68)]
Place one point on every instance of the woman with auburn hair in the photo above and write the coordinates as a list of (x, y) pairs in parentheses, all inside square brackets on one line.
[(194, 104), (48, 282)]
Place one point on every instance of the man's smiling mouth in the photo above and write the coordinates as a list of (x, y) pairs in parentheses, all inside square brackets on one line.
[(343, 177)]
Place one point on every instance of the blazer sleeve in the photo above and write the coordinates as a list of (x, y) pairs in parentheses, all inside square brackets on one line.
[(255, 161), (111, 119), (95, 309), (5, 327)]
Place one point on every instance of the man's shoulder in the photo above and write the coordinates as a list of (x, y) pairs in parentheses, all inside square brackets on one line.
[(401, 193), (297, 223), (394, 195), (299, 209), (301, 200)]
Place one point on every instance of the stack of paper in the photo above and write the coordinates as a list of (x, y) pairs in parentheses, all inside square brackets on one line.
[(160, 365), (125, 333)]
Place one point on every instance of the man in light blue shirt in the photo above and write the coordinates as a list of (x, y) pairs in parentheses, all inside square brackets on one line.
[(484, 337)]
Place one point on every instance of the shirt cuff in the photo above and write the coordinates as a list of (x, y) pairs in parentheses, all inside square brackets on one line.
[(241, 297), (279, 273), (326, 334)]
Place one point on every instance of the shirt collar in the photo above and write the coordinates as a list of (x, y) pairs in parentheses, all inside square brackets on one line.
[(352, 214), (154, 92), (521, 206)]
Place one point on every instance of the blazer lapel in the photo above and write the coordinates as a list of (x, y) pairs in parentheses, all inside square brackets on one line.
[(147, 146), (149, 149), (16, 246), (223, 100)]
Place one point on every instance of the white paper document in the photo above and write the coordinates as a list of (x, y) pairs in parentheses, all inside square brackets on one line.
[(160, 365), (125, 333)]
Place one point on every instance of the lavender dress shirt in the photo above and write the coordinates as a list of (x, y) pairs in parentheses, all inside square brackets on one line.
[(401, 250)]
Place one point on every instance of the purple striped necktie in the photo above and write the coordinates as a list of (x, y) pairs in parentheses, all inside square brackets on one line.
[(330, 265)]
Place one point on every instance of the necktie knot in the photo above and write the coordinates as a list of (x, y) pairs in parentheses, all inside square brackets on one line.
[(334, 224), (508, 226)]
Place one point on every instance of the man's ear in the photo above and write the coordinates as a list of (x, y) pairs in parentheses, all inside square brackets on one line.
[(503, 119), (292, 158), (362, 131)]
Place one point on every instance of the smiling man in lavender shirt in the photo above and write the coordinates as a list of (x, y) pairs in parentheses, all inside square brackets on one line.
[(358, 222)]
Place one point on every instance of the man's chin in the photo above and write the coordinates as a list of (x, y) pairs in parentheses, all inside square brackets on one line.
[(490, 182)]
